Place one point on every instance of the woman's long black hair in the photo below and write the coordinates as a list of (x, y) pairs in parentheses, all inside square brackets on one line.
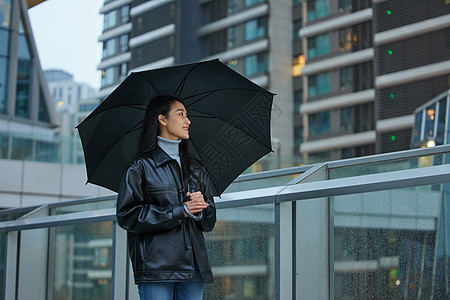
[(161, 105)]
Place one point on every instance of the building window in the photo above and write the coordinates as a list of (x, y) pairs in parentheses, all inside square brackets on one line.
[(347, 119), (346, 78), (255, 29), (123, 71), (317, 9), (345, 5), (5, 13), (23, 89), (124, 14), (231, 37), (255, 64), (298, 137), (298, 100), (318, 84), (232, 6), (109, 48), (4, 44), (298, 64), (319, 123), (318, 46), (297, 26), (253, 2), (110, 20), (440, 133), (3, 82), (345, 39), (123, 41), (107, 77)]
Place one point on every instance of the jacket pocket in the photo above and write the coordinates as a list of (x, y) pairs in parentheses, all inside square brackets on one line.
[(161, 195)]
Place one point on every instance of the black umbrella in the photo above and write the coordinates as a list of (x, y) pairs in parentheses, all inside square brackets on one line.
[(230, 121)]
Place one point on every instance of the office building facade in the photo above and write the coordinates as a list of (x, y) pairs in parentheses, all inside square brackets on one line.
[(27, 114)]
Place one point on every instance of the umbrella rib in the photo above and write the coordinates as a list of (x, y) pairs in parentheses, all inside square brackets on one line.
[(183, 81), (152, 85)]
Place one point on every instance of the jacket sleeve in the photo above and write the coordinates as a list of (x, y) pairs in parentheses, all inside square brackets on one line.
[(209, 214), (134, 214)]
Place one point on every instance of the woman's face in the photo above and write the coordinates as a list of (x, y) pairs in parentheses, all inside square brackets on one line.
[(176, 125)]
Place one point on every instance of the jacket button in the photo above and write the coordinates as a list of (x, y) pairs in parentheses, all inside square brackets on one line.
[(179, 221), (182, 191), (191, 276), (188, 247)]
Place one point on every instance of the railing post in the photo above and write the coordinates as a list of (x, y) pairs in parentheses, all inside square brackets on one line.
[(11, 264), (283, 251)]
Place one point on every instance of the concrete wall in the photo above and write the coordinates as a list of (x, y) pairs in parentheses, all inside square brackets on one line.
[(29, 183)]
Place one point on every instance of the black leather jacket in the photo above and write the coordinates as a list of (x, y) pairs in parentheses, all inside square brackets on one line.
[(162, 242)]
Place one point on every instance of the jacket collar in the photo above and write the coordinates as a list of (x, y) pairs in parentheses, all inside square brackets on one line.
[(160, 157)]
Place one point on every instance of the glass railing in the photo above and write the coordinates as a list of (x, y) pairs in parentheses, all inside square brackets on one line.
[(364, 228)]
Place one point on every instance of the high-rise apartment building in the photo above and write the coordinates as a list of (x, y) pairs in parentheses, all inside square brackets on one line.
[(369, 64), (253, 37), (412, 55)]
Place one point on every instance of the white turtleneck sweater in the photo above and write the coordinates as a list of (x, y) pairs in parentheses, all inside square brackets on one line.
[(171, 147)]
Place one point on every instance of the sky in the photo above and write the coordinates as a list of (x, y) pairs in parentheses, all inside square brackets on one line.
[(66, 33)]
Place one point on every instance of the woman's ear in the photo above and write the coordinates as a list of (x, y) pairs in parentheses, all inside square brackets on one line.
[(162, 120)]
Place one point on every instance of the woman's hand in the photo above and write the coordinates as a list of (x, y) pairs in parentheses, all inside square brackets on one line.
[(196, 203)]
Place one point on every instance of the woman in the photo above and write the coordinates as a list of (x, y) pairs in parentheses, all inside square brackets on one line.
[(165, 202)]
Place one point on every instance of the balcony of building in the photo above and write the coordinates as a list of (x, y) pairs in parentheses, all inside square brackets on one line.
[(373, 227)]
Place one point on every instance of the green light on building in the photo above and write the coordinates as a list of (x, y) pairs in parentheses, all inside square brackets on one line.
[(390, 52), (388, 12), (393, 138), (391, 95)]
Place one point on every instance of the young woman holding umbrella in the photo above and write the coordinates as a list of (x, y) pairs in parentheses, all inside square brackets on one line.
[(165, 203)]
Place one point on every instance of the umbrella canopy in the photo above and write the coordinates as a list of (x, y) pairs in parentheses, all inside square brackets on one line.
[(230, 121)]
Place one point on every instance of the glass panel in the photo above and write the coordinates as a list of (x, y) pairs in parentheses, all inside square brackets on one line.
[(319, 46), (109, 48), (46, 151), (4, 40), (21, 148), (260, 183), (441, 122), (80, 261), (430, 116), (108, 76), (3, 83), (346, 76), (124, 42), (43, 112), (385, 244), (318, 9), (347, 118), (8, 215), (345, 5), (417, 129), (23, 49), (387, 166), (241, 254), (5, 13), (110, 20), (23, 93), (124, 14), (319, 123), (80, 207), (4, 145)]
